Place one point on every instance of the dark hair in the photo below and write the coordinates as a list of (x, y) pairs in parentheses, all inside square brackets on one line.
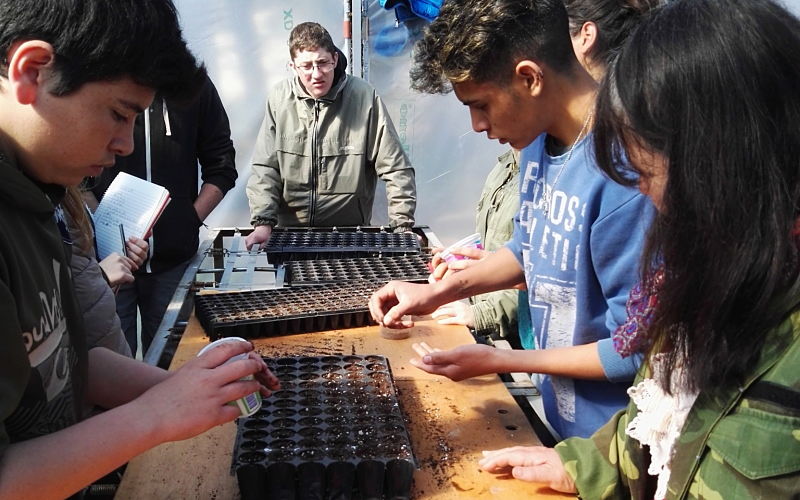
[(78, 219), (614, 19), (102, 40), (483, 40), (712, 86), (310, 36)]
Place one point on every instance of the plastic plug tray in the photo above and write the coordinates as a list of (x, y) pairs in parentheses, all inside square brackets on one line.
[(282, 311), (330, 243), (413, 267), (334, 430)]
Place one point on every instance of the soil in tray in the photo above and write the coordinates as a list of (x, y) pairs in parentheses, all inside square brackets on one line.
[(351, 443)]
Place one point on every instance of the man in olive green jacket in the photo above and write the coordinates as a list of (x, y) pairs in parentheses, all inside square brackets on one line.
[(325, 139)]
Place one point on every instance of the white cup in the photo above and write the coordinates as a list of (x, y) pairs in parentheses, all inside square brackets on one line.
[(250, 403)]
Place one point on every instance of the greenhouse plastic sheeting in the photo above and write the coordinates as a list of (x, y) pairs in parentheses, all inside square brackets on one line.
[(244, 46)]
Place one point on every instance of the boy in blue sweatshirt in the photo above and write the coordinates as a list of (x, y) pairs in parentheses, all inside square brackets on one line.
[(577, 237)]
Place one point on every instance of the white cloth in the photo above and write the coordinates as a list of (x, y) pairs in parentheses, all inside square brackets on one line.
[(660, 419)]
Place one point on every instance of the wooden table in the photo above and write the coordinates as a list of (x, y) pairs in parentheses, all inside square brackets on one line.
[(449, 423)]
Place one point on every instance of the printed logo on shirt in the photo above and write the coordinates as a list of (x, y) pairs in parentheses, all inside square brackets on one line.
[(556, 239), (550, 255), (48, 343)]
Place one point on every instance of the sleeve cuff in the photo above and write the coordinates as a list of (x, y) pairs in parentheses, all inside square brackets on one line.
[(103, 273), (482, 327), (263, 221), (222, 182), (617, 368), (403, 227), (516, 249)]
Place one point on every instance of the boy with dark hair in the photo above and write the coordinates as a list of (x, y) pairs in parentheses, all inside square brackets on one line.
[(577, 237), (75, 73)]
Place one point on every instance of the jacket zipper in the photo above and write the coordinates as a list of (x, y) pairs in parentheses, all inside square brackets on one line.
[(148, 148), (314, 166)]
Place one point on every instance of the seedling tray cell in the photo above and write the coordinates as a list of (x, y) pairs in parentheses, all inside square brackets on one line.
[(335, 431), (283, 311), (413, 267)]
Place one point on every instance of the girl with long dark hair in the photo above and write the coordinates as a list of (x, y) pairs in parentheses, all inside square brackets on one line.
[(703, 101)]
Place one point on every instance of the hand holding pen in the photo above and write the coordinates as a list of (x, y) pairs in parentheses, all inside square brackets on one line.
[(119, 268), (135, 248)]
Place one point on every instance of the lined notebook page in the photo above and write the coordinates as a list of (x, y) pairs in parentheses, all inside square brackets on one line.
[(133, 202)]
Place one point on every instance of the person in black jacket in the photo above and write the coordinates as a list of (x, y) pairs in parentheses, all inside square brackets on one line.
[(169, 140)]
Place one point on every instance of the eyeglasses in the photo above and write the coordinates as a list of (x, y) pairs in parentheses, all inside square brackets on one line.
[(308, 68)]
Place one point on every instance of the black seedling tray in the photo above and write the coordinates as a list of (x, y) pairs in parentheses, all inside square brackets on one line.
[(335, 430), (331, 243), (412, 267), (282, 311)]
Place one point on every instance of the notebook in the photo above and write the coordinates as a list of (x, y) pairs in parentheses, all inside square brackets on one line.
[(133, 202)]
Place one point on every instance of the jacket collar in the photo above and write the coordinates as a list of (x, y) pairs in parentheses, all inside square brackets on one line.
[(25, 192), (332, 95)]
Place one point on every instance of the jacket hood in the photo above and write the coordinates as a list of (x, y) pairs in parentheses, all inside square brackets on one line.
[(341, 67), (19, 190)]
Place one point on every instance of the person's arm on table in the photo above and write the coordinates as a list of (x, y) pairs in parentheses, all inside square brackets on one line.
[(536, 464), (187, 402), (473, 360), (489, 314), (592, 467), (388, 305), (495, 314)]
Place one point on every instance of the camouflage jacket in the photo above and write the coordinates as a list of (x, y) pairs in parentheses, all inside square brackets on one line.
[(740, 443)]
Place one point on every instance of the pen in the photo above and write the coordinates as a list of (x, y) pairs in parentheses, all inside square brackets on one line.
[(124, 241)]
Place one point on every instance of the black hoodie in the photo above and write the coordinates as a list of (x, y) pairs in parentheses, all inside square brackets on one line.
[(42, 345), (180, 136)]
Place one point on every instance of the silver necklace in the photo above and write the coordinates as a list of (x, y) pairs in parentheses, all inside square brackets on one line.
[(547, 196)]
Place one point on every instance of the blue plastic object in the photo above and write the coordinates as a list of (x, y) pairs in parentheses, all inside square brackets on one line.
[(391, 40), (405, 9)]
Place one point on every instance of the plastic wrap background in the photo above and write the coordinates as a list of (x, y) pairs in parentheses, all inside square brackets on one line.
[(244, 45)]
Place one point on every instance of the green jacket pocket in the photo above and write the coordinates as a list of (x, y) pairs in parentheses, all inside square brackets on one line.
[(343, 168), (757, 443)]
